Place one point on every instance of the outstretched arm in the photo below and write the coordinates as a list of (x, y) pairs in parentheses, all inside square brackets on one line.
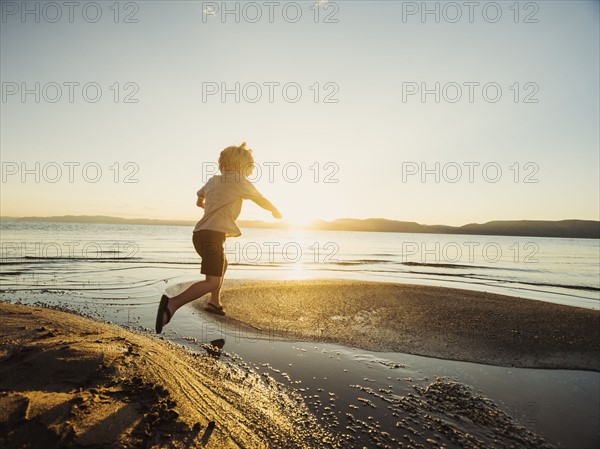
[(249, 192), (267, 205)]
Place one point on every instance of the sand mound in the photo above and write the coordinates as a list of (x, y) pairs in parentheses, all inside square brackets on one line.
[(67, 381), (431, 321)]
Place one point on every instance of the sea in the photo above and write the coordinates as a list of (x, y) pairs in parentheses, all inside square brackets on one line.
[(127, 259)]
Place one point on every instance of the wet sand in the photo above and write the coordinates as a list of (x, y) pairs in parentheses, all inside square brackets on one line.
[(422, 320), (68, 381)]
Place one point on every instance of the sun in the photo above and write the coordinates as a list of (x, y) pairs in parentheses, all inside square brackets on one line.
[(300, 205), (297, 219)]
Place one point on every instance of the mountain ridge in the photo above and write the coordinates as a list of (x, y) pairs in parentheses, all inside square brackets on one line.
[(570, 228)]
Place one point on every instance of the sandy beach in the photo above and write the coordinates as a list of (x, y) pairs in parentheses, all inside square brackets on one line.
[(68, 381), (300, 225), (437, 322)]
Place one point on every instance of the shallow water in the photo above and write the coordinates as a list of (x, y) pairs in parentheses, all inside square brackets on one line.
[(58, 255)]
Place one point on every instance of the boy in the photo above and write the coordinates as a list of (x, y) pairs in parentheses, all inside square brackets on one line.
[(221, 198)]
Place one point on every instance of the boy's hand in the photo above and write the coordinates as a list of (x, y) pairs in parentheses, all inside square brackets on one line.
[(277, 214)]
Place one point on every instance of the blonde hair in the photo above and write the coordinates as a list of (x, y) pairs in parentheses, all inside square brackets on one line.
[(238, 159)]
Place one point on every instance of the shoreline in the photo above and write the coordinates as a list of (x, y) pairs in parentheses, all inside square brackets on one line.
[(67, 380), (440, 322), (415, 391)]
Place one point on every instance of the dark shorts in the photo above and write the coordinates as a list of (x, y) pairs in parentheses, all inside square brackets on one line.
[(209, 246)]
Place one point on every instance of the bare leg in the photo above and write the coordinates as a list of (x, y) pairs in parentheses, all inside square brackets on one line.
[(215, 295), (193, 292)]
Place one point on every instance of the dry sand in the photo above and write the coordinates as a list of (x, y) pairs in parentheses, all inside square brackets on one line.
[(68, 381), (430, 321)]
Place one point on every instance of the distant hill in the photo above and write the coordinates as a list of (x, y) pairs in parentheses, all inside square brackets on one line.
[(102, 219), (563, 228), (378, 225), (586, 229)]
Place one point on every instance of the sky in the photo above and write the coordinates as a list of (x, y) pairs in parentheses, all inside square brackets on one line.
[(429, 112)]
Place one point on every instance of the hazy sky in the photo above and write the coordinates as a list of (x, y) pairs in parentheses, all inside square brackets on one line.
[(518, 101)]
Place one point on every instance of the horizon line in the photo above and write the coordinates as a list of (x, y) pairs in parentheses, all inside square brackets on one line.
[(282, 222)]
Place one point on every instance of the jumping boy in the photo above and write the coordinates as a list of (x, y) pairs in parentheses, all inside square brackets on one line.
[(221, 197)]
